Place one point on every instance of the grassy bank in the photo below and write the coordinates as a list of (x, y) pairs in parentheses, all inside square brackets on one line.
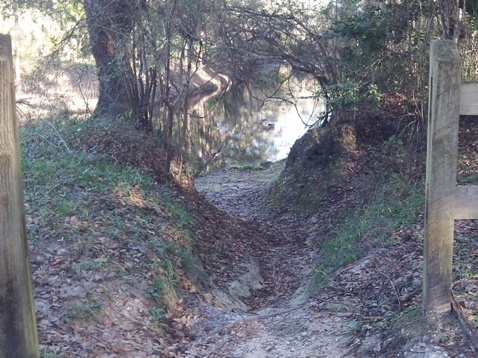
[(371, 224), (360, 182), (107, 240)]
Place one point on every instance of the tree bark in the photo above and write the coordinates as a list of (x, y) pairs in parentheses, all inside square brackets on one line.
[(109, 23)]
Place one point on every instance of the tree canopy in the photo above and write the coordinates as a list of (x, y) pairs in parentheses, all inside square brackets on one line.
[(360, 52)]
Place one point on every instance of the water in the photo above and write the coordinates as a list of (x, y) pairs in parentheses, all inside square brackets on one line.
[(250, 125)]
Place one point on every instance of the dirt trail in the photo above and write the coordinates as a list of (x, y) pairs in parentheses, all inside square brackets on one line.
[(297, 325), (289, 328)]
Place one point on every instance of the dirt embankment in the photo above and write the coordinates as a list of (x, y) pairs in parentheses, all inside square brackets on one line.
[(370, 307), (266, 241)]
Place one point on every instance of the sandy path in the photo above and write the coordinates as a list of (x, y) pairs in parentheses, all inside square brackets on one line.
[(300, 326), (297, 327)]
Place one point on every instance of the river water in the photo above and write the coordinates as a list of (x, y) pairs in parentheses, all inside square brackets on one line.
[(251, 124)]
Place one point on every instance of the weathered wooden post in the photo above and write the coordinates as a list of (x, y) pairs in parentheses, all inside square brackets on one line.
[(466, 196), (18, 331), (442, 151)]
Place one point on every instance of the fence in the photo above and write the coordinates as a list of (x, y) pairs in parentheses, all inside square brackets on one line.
[(445, 200)]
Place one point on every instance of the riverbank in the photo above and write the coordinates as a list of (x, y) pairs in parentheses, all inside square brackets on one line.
[(353, 211), (127, 262)]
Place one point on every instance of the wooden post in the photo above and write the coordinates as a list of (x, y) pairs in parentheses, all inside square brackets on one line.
[(442, 151), (18, 331)]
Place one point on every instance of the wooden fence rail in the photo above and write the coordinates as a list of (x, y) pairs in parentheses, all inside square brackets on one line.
[(445, 200), (18, 331)]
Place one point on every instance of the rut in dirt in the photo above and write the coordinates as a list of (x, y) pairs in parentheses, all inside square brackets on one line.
[(280, 320), (275, 246)]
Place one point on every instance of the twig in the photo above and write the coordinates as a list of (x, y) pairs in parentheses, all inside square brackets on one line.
[(394, 290), (411, 295), (46, 140), (59, 136), (466, 326)]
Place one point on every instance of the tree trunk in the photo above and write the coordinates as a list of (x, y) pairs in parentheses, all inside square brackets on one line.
[(109, 23), (166, 91)]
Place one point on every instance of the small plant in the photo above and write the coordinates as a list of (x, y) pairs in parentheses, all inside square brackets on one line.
[(407, 317), (90, 264), (355, 327), (157, 313), (63, 208), (182, 214), (444, 338), (163, 288), (467, 179), (46, 354), (89, 310), (186, 260)]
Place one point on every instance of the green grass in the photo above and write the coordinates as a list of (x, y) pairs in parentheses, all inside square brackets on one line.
[(76, 185), (467, 179), (371, 225), (163, 288), (46, 354), (79, 196), (89, 309)]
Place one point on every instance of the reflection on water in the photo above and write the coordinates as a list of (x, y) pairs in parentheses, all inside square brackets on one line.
[(250, 125)]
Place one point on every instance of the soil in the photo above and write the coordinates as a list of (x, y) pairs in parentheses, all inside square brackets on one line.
[(371, 308), (258, 256), (301, 324), (290, 326)]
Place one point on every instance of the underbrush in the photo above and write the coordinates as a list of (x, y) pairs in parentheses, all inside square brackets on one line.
[(363, 182), (95, 221), (371, 224)]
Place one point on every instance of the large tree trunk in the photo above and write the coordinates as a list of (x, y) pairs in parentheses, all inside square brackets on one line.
[(109, 23)]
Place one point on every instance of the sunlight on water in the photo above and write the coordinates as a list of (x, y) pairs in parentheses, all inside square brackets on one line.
[(249, 125), (289, 123)]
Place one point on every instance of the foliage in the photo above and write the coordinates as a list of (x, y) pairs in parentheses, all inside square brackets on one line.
[(380, 48), (359, 52), (40, 29)]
